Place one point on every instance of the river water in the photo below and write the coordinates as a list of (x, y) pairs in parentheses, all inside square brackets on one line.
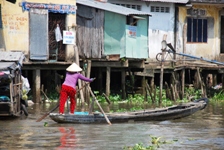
[(202, 131)]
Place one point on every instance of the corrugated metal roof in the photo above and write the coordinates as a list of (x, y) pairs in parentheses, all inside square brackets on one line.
[(168, 1), (11, 56), (111, 7), (11, 60), (4, 66)]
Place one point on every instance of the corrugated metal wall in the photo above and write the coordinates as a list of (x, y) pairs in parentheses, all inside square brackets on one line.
[(114, 32), (137, 46), (89, 33), (39, 34)]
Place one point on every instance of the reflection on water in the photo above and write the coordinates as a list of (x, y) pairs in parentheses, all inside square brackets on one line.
[(203, 130), (68, 138)]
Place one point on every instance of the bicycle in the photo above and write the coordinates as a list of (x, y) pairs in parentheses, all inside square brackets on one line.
[(168, 56)]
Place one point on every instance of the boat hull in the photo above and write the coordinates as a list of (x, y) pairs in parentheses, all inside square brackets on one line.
[(168, 113)]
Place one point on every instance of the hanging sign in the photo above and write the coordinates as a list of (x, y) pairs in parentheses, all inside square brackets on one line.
[(132, 31), (68, 37), (54, 8)]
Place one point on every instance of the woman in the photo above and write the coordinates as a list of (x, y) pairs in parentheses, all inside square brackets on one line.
[(68, 88)]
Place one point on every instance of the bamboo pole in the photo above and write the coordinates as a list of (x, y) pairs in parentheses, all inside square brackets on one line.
[(108, 121)]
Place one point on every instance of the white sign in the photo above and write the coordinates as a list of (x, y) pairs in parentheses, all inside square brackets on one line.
[(132, 31), (68, 37)]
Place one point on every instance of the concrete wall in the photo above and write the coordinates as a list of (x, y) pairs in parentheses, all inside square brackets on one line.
[(16, 24), (159, 24), (209, 50)]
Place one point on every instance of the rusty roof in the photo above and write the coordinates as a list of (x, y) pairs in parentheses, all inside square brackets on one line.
[(168, 1), (111, 7)]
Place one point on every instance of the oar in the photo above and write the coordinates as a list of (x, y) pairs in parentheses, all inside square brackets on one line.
[(45, 115), (94, 97)]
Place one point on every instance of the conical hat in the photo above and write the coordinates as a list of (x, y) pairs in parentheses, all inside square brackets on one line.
[(74, 68)]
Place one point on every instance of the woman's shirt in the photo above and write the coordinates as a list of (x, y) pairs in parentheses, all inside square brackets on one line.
[(71, 79)]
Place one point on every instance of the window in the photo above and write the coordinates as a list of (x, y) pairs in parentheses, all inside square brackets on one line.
[(131, 21), (137, 7), (160, 9), (197, 30)]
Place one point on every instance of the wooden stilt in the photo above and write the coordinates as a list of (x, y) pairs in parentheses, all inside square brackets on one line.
[(200, 81), (36, 86), (99, 80), (168, 92), (123, 76), (173, 92), (222, 81), (161, 72), (108, 81), (88, 72), (150, 91), (214, 79), (154, 94), (79, 81), (144, 93), (132, 81), (182, 83)]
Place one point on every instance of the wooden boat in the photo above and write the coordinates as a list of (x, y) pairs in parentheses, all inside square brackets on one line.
[(160, 114), (11, 102)]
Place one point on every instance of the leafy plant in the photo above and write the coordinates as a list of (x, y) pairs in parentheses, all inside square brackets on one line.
[(154, 144)]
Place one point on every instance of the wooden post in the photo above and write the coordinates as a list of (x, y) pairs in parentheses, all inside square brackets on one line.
[(214, 79), (189, 75), (161, 72), (154, 94), (222, 81), (99, 80), (173, 92), (168, 92), (144, 93), (123, 75), (108, 81), (88, 72), (79, 81), (36, 86), (200, 81), (183, 83), (150, 92), (132, 81)]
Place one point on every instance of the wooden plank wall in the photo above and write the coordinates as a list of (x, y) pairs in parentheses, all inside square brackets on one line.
[(89, 32)]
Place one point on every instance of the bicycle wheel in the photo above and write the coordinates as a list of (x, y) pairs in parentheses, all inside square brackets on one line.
[(159, 57)]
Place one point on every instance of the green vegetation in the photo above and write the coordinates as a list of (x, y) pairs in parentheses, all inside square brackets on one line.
[(155, 143), (218, 96), (138, 100)]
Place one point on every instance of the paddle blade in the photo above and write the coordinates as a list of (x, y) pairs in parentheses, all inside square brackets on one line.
[(41, 118), (45, 115)]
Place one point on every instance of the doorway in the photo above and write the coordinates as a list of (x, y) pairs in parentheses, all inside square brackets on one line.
[(56, 49)]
